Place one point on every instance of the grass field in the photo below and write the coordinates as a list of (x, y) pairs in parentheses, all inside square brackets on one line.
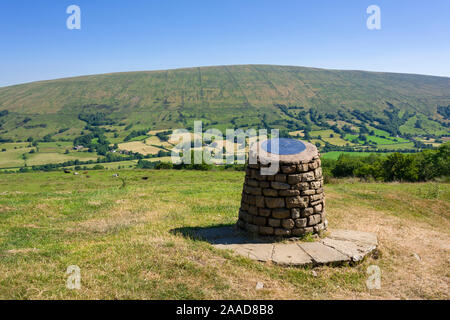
[(13, 158), (331, 137), (121, 236), (427, 126), (389, 142), (397, 146), (337, 141), (335, 154), (111, 165), (139, 146)]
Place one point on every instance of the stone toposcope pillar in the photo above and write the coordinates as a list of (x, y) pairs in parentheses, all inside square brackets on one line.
[(290, 202)]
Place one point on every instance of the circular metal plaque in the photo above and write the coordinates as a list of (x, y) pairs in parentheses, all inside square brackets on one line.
[(286, 146)]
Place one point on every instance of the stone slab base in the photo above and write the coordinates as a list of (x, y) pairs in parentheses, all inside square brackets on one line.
[(339, 246)]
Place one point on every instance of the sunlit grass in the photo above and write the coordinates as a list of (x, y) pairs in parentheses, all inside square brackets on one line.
[(123, 239)]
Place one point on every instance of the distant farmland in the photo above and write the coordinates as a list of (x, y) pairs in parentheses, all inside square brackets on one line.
[(339, 111)]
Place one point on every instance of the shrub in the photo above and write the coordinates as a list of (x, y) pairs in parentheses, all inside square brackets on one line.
[(422, 166)]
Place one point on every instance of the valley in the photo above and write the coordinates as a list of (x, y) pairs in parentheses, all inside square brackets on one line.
[(129, 116)]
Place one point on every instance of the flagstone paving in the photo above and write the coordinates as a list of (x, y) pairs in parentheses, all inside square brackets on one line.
[(338, 246)]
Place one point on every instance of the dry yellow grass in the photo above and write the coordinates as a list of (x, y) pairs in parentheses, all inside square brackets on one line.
[(123, 239), (298, 132), (139, 146)]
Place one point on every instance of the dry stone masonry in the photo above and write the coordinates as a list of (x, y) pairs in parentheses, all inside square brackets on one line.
[(289, 203)]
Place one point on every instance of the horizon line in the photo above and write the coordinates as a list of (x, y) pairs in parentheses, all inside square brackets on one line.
[(214, 66)]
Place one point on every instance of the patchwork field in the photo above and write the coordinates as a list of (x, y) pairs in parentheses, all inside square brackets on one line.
[(331, 137), (121, 232), (18, 154), (294, 99), (140, 147), (335, 154)]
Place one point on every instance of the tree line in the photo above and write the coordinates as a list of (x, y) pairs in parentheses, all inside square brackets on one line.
[(420, 166)]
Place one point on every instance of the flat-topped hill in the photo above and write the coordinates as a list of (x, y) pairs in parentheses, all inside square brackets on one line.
[(239, 96)]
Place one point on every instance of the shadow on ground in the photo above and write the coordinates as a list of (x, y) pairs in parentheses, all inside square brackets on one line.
[(219, 234)]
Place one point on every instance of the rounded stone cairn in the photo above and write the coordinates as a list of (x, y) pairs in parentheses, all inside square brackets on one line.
[(289, 203)]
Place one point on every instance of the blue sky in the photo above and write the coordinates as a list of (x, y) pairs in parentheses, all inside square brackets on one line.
[(118, 35)]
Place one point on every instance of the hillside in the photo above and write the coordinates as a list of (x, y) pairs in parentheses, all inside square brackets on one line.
[(242, 95), (336, 110)]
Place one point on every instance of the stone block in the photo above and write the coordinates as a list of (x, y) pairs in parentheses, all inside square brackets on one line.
[(316, 197), (259, 201), (280, 185), (314, 219), (318, 227), (296, 202), (289, 193), (274, 202), (302, 186), (306, 212), (253, 210), (294, 178), (267, 231), (315, 184), (303, 167), (295, 213), (251, 200), (264, 184), (308, 192), (287, 223), (264, 212), (301, 223), (308, 176), (280, 177), (293, 202), (298, 232), (253, 183), (246, 217), (259, 221), (252, 190), (251, 228), (312, 165), (253, 174), (315, 203), (289, 169), (260, 177), (281, 213), (308, 230), (318, 173), (274, 222), (281, 232), (318, 208), (270, 192)]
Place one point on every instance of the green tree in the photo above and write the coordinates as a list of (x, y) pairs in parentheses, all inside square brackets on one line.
[(400, 167)]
